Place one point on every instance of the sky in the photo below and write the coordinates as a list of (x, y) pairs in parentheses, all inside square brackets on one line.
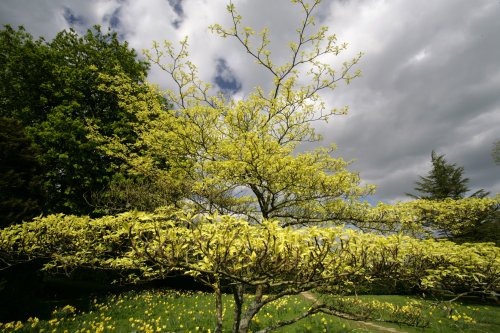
[(430, 71)]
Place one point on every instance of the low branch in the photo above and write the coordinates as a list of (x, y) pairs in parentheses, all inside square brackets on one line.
[(311, 311)]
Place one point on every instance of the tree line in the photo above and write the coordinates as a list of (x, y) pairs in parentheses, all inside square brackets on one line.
[(50, 91)]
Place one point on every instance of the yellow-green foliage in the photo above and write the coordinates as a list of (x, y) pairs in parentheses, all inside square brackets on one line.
[(237, 156), (266, 254), (275, 261), (425, 217)]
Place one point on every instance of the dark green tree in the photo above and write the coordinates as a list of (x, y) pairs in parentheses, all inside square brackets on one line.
[(53, 89), (444, 180), (26, 66), (21, 190), (486, 231)]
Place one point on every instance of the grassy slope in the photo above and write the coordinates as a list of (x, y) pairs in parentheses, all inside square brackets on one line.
[(167, 311)]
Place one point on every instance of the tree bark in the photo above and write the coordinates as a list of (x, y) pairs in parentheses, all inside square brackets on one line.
[(218, 307), (238, 306), (253, 308)]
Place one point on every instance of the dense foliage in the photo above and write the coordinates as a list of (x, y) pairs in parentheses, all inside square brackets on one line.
[(429, 218), (53, 90), (445, 181), (21, 186), (267, 260)]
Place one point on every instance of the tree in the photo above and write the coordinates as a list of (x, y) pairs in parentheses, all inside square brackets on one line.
[(25, 66), (267, 259), (241, 153), (423, 218), (126, 193), (53, 88), (444, 181), (250, 204), (238, 159), (20, 182)]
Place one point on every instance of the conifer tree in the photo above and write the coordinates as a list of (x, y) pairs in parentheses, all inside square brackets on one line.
[(444, 180)]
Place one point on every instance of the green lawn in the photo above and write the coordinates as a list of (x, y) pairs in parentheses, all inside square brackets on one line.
[(170, 311)]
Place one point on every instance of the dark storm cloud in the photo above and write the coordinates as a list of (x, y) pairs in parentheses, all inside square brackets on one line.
[(434, 85), (114, 22), (177, 7)]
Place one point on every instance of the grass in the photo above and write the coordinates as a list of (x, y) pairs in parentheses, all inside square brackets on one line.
[(170, 311), (440, 318)]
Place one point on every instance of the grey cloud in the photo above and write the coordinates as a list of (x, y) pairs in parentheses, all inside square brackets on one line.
[(178, 9), (433, 86), (225, 78), (113, 19), (72, 18), (40, 18), (48, 17)]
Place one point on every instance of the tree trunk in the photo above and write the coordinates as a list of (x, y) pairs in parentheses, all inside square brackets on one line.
[(253, 308), (238, 291), (218, 307)]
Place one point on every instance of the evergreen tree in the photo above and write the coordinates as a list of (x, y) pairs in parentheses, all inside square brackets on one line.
[(444, 180)]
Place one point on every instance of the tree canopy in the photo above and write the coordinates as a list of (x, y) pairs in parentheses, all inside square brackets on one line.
[(238, 156), (445, 181), (53, 89), (269, 261)]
